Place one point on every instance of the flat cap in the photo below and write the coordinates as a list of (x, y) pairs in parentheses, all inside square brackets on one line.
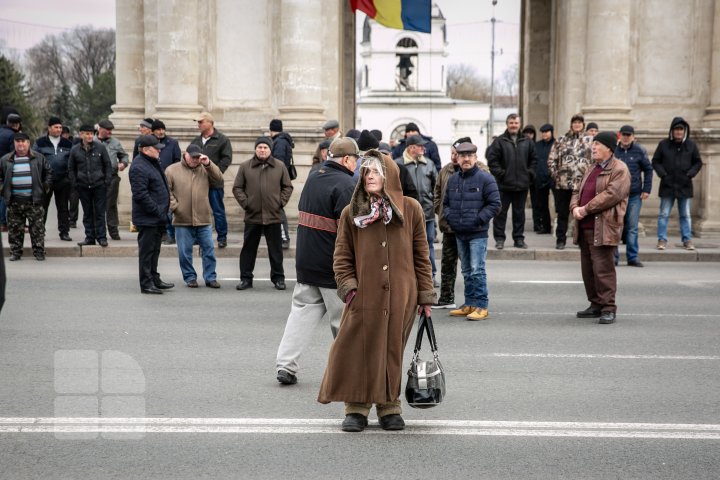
[(331, 124), (415, 140), (106, 124), (150, 141), (466, 147), (344, 146)]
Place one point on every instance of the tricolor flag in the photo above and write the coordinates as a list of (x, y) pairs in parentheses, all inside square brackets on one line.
[(401, 14)]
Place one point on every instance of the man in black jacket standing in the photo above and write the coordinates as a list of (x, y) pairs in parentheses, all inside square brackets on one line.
[(543, 182), (56, 151), (282, 149), (327, 192), (511, 159), (150, 205), (676, 161), (90, 173)]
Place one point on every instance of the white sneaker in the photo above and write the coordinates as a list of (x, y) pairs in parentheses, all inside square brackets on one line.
[(444, 305)]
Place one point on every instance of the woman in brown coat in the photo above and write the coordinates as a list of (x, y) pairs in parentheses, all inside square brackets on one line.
[(382, 270)]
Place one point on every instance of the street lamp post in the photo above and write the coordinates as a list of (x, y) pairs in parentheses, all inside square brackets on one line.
[(491, 127)]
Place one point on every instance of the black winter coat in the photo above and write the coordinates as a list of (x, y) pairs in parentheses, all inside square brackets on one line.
[(58, 160), (676, 163), (89, 168), (512, 164), (150, 193), (7, 140), (471, 201), (282, 148), (542, 174), (219, 150), (39, 169), (326, 193)]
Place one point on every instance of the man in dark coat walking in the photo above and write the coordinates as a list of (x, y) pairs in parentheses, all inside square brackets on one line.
[(676, 161), (150, 204), (511, 159)]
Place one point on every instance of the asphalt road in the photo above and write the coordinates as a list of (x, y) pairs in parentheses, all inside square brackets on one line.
[(533, 392)]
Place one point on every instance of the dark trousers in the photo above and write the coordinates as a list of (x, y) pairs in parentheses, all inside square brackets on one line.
[(562, 209), (598, 272), (74, 206), (112, 205), (149, 241), (251, 241), (61, 190), (448, 268), (539, 197), (517, 200), (93, 203)]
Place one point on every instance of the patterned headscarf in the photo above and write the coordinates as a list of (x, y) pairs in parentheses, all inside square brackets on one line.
[(379, 207)]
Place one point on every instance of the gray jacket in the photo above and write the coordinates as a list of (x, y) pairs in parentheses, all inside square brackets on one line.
[(424, 176), (115, 151)]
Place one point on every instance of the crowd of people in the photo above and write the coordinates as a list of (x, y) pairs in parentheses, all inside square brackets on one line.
[(365, 256)]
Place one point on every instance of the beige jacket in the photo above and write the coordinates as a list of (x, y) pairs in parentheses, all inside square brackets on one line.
[(189, 188)]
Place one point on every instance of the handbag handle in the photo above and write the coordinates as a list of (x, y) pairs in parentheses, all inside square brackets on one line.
[(425, 325)]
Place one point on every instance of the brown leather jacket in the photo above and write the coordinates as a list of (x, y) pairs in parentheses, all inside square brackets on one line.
[(609, 204)]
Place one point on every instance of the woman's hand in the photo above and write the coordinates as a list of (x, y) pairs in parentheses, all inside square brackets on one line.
[(426, 309), (349, 297)]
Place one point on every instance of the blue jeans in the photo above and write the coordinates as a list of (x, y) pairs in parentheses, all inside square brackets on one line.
[(632, 218), (430, 232), (185, 237), (666, 204), (472, 255), (218, 208), (169, 228)]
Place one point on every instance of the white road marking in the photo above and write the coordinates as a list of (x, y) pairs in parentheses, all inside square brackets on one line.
[(546, 281), (620, 315), (256, 279), (600, 356), (328, 426)]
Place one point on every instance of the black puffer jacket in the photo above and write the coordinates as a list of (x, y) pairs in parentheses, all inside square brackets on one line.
[(89, 167), (676, 163), (512, 163)]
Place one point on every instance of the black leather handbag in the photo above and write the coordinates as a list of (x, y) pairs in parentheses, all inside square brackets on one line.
[(425, 387)]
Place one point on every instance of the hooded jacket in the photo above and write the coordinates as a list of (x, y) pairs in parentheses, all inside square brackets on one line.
[(57, 159), (282, 148), (262, 188), (676, 163), (389, 266), (512, 163), (189, 187)]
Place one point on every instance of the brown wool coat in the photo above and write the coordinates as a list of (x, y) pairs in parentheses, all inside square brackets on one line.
[(189, 188), (390, 268), (609, 204)]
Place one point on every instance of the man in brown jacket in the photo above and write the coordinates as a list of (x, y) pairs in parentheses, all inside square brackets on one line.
[(189, 182), (262, 188), (598, 206)]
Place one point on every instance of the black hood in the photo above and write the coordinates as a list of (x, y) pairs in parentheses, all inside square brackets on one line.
[(679, 121)]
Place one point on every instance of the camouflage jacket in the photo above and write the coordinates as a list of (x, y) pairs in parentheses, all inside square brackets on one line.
[(569, 158)]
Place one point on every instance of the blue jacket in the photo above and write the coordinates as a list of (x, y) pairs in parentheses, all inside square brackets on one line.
[(7, 140), (431, 151), (170, 154), (542, 174), (471, 200), (150, 193), (57, 159), (641, 171)]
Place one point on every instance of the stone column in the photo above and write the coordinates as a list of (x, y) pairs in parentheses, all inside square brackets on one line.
[(300, 62), (178, 69), (130, 64), (712, 117), (608, 60)]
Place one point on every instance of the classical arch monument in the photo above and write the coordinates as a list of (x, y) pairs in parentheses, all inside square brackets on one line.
[(640, 62)]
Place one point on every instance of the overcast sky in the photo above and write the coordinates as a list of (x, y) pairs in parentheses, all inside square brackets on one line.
[(24, 23)]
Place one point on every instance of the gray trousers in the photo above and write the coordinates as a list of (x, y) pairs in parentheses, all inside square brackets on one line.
[(309, 306)]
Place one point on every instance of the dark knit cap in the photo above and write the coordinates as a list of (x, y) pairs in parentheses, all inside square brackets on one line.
[(21, 136), (609, 139), (592, 125), (547, 128), (529, 128), (157, 124), (367, 141), (264, 140), (276, 125), (377, 134), (412, 127), (353, 133), (54, 121)]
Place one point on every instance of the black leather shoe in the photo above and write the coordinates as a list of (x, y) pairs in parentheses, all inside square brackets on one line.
[(222, 243), (589, 313), (15, 258), (163, 285), (607, 318), (520, 244), (636, 263), (212, 284), (152, 290), (115, 236), (40, 257), (354, 422), (243, 285), (280, 285), (286, 244), (192, 284), (392, 422), (65, 237), (286, 378), (103, 242), (499, 245), (560, 246), (86, 242)]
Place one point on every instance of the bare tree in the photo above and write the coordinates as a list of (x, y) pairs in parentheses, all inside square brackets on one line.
[(508, 83), (68, 74), (464, 83)]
